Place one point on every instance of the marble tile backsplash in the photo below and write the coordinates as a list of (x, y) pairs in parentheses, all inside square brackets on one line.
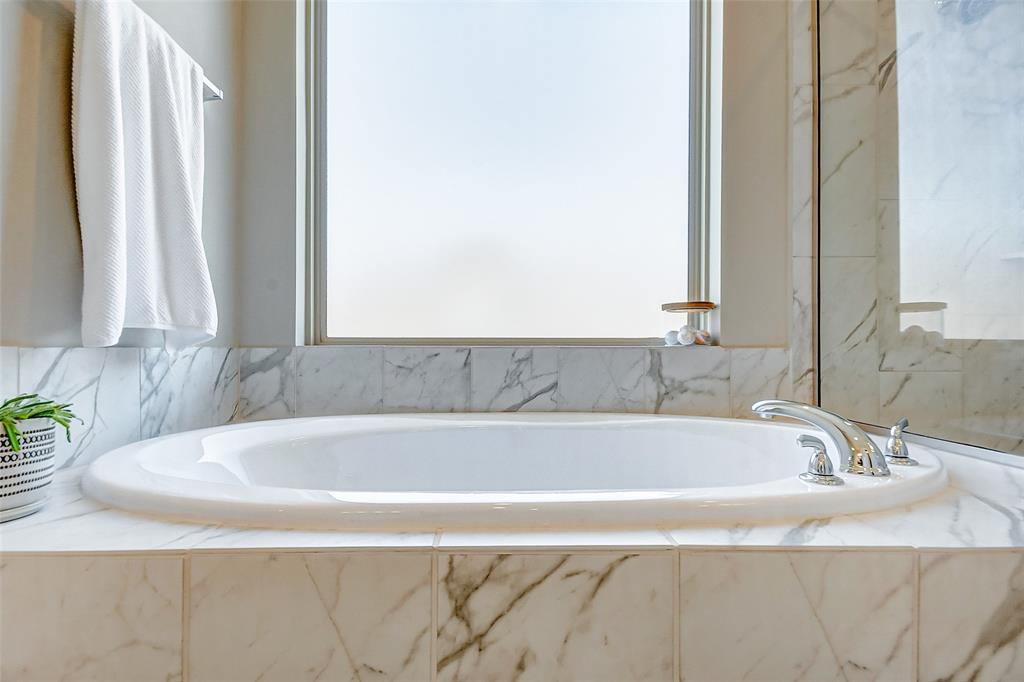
[(516, 379), (127, 394), (705, 381), (421, 379), (103, 385), (337, 380), (194, 388), (266, 379)]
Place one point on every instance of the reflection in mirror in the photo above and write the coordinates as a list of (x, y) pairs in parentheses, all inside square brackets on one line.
[(922, 216)]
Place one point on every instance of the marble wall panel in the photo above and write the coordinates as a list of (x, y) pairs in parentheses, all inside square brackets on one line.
[(423, 379), (514, 379), (321, 616), (847, 55), (102, 384), (972, 616), (603, 379), (338, 380), (757, 374), (188, 389), (266, 383), (696, 381), (91, 618), (797, 615), (555, 617)]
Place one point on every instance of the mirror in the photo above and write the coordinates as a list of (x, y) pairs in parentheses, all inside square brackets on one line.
[(921, 224)]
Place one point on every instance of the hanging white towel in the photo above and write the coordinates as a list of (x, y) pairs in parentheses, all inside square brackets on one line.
[(137, 141)]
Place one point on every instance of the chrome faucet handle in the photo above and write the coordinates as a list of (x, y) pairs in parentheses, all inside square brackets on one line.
[(819, 468), (896, 447), (806, 441)]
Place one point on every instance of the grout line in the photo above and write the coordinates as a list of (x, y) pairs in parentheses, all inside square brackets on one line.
[(729, 384), (186, 614), (556, 398), (436, 543), (433, 615), (668, 536), (238, 384), (677, 627), (138, 374), (292, 362), (380, 371), (469, 378), (917, 617), (588, 550), (541, 550)]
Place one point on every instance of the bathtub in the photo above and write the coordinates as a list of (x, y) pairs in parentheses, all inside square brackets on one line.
[(424, 472)]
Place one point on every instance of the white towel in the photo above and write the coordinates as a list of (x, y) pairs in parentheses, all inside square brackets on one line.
[(137, 141)]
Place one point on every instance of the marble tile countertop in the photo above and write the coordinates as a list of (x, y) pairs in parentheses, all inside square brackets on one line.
[(982, 509)]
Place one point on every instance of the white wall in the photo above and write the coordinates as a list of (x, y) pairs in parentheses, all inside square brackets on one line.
[(269, 274), (40, 245), (755, 290), (40, 250)]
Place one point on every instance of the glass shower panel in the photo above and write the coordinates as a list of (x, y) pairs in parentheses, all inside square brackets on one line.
[(922, 215)]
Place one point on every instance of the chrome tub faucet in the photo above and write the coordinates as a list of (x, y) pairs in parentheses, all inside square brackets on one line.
[(857, 453)]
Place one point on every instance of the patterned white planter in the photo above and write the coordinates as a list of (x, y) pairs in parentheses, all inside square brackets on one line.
[(25, 476)]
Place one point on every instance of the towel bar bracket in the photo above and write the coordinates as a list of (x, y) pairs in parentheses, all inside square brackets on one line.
[(211, 93)]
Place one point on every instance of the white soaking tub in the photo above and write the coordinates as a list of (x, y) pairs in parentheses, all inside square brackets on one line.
[(416, 472)]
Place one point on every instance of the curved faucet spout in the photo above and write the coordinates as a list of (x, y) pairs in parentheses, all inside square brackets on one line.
[(857, 453)]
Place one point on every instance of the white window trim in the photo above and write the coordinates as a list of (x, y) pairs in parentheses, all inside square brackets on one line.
[(699, 242)]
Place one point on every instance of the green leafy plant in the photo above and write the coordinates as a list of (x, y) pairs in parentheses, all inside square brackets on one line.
[(31, 406)]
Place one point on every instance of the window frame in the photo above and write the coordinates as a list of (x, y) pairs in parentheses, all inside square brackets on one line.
[(698, 194)]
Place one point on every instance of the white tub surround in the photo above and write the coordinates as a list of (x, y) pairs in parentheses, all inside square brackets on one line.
[(980, 509), (637, 604), (423, 472)]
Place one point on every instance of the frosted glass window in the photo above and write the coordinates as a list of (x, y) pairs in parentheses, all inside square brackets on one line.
[(505, 169)]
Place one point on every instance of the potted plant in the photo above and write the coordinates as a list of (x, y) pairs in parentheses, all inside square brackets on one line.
[(28, 441)]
